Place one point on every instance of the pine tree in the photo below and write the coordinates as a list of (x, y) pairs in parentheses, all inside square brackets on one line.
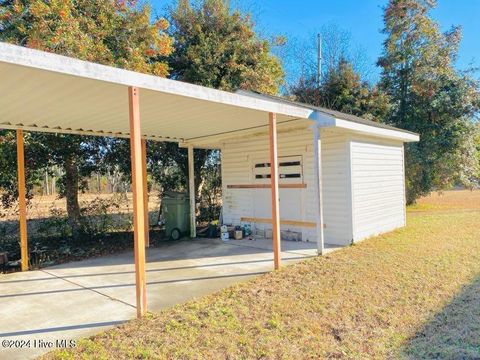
[(429, 96), (343, 90)]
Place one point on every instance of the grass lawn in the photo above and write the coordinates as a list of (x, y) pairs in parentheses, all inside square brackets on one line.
[(412, 293)]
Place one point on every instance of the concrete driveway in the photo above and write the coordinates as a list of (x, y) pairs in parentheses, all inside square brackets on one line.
[(40, 309)]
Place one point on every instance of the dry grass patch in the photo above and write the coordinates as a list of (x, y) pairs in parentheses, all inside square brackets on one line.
[(41, 205), (449, 201), (413, 293)]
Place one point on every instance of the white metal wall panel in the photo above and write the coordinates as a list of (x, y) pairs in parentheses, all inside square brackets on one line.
[(337, 213), (238, 166), (239, 157), (377, 186)]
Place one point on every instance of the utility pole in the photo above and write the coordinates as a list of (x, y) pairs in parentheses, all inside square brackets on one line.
[(319, 59)]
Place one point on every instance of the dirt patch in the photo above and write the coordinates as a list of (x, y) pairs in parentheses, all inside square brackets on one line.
[(40, 207)]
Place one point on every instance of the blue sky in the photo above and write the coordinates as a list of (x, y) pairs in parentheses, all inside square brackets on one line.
[(361, 18)]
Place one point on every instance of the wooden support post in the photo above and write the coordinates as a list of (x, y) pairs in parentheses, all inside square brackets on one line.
[(317, 164), (138, 200), (191, 188), (274, 190), (145, 193), (22, 201)]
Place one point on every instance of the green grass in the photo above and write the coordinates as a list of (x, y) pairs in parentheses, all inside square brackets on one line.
[(413, 293)]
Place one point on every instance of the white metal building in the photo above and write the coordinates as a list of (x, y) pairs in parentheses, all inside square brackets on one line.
[(362, 178)]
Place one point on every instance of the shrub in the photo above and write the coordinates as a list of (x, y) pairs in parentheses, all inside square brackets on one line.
[(96, 219), (55, 226), (101, 216)]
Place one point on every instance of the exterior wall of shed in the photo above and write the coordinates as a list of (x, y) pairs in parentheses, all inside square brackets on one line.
[(238, 158), (337, 213), (378, 186)]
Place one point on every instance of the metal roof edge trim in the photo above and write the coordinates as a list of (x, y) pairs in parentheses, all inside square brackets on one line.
[(41, 60)]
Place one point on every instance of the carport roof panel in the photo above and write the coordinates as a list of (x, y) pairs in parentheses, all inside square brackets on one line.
[(49, 92)]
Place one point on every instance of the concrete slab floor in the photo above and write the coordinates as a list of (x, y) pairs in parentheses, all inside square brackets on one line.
[(74, 300)]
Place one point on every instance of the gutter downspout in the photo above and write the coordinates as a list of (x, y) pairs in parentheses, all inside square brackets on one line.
[(317, 164)]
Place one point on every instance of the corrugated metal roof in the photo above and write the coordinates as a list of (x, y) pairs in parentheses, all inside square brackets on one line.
[(48, 92)]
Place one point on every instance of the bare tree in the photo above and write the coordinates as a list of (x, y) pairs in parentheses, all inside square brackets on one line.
[(299, 55)]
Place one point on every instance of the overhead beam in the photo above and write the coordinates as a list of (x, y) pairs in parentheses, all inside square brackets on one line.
[(22, 201), (191, 190), (218, 141), (138, 200), (274, 190), (145, 192), (247, 131), (57, 130)]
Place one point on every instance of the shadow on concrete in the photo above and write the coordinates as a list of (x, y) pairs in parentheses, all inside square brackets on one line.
[(101, 291), (453, 333), (94, 288), (149, 270), (62, 328), (191, 249)]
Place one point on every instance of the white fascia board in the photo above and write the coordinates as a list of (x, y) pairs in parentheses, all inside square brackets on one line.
[(41, 60), (377, 131), (323, 120)]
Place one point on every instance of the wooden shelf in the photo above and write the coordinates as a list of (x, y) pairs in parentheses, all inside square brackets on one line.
[(307, 224)]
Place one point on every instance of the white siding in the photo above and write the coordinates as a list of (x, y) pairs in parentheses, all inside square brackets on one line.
[(335, 181), (238, 158), (378, 191)]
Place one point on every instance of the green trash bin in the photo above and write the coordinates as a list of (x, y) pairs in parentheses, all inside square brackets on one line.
[(176, 214)]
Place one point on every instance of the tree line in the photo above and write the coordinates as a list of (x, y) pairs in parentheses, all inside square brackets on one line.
[(208, 43)]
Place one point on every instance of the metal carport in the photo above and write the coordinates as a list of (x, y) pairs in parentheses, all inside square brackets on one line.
[(51, 93)]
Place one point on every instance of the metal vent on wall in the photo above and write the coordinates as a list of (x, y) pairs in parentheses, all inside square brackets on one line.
[(289, 169)]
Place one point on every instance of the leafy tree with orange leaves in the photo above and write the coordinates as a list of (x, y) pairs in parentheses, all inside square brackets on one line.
[(118, 33)]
